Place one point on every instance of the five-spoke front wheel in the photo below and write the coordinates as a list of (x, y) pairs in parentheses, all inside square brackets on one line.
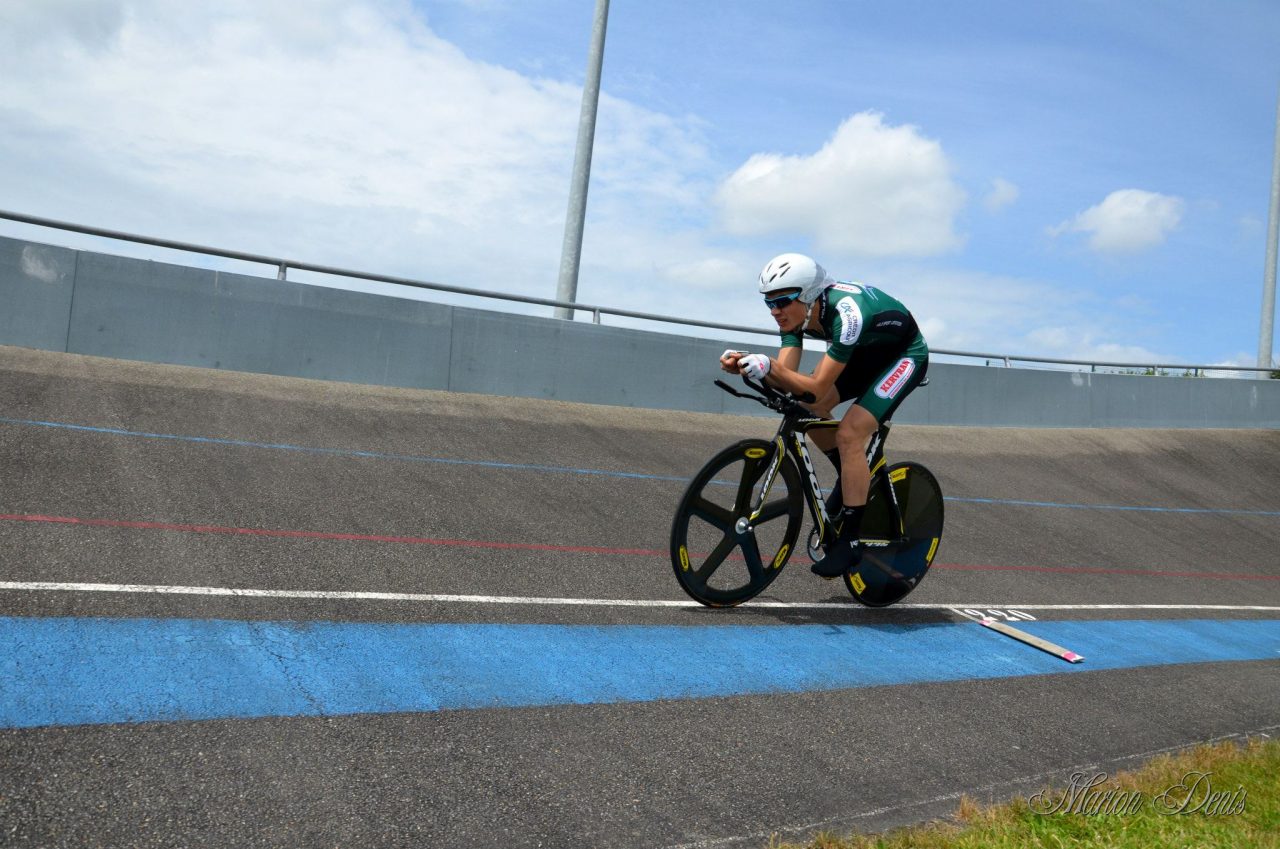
[(737, 524)]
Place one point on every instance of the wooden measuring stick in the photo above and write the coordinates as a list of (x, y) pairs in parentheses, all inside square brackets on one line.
[(1032, 640)]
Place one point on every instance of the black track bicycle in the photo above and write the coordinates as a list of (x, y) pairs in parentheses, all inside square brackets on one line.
[(741, 515)]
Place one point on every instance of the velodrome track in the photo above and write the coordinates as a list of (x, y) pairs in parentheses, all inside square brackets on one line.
[(403, 677)]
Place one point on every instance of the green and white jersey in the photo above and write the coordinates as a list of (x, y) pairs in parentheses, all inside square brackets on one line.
[(853, 316)]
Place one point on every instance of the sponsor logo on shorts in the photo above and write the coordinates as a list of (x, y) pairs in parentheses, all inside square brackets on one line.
[(894, 382)]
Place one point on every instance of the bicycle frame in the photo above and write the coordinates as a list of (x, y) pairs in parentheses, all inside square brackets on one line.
[(790, 441)]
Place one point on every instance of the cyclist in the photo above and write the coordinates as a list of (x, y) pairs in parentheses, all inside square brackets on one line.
[(875, 357)]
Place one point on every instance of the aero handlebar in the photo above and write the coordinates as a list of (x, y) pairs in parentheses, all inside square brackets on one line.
[(782, 402)]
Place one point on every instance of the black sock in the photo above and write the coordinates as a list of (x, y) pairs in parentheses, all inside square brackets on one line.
[(834, 501), (851, 522), (834, 456)]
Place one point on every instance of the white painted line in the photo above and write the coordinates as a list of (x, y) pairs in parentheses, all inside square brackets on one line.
[(1108, 606), (441, 598)]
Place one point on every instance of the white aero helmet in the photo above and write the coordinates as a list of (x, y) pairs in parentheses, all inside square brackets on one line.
[(795, 271)]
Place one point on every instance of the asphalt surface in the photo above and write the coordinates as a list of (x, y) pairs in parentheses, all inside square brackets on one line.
[(134, 474)]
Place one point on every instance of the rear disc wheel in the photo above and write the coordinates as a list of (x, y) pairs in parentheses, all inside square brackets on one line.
[(895, 560)]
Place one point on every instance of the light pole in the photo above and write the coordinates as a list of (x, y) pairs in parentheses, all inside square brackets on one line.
[(571, 252), (1269, 276)]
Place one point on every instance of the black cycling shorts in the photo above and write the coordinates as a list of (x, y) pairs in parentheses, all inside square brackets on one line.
[(877, 378)]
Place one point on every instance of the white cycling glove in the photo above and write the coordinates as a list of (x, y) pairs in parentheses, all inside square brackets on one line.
[(754, 366)]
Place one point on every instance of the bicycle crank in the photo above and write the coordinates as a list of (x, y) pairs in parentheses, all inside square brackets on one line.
[(816, 551)]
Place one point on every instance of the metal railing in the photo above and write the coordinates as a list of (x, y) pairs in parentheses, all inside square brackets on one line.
[(282, 267)]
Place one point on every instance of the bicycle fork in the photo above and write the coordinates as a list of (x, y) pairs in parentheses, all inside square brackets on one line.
[(779, 454)]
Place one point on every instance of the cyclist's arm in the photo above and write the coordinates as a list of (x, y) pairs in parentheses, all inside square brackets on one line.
[(788, 379), (790, 357)]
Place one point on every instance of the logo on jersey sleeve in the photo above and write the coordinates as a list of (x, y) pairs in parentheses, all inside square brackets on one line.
[(847, 287), (893, 384), (850, 321)]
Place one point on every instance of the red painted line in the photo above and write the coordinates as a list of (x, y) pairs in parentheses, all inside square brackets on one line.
[(1103, 570), (571, 549), (284, 534)]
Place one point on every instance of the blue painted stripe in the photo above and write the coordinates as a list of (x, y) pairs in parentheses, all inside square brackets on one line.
[(340, 452), (69, 671), (411, 458)]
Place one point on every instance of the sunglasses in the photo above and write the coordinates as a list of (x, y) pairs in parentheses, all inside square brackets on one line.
[(780, 301)]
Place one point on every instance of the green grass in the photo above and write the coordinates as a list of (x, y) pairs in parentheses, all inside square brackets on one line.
[(1253, 767)]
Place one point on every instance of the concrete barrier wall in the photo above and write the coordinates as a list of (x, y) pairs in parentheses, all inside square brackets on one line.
[(89, 303), (36, 282)]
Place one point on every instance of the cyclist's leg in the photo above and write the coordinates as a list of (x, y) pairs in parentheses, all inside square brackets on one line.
[(896, 373), (849, 495), (855, 430), (859, 423), (857, 426), (875, 405), (852, 383)]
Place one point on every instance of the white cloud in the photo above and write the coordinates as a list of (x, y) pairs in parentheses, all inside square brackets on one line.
[(88, 24), (1004, 315), (1249, 228), (1127, 221), (1079, 341), (872, 190), (1002, 194), (343, 132), (715, 273)]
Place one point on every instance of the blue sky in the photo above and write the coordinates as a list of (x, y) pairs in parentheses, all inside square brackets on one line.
[(1067, 180)]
